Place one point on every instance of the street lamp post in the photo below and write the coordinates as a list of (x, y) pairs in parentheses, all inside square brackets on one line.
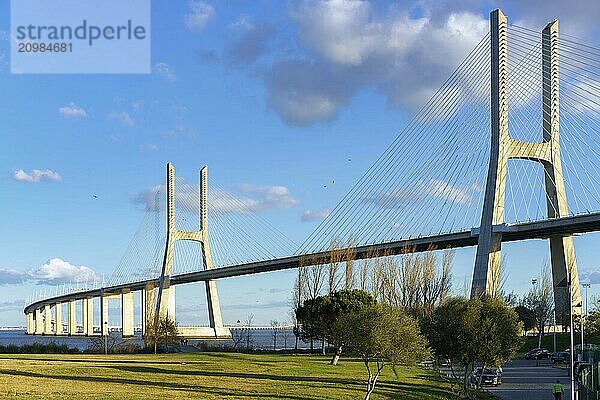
[(586, 286), (105, 334), (554, 328), (533, 282), (571, 334)]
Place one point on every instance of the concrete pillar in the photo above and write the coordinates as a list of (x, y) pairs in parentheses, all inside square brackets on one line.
[(39, 324), (486, 274), (58, 327), (47, 319), (562, 250), (88, 317), (30, 323), (104, 314), (72, 328), (147, 307), (127, 303)]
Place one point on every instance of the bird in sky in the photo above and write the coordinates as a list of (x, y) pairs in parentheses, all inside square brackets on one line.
[(95, 196)]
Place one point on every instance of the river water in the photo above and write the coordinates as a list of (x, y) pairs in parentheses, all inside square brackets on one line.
[(259, 340)]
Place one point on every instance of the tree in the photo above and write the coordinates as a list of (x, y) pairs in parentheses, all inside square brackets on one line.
[(164, 333), (415, 282), (248, 324), (540, 301), (318, 317), (485, 331), (298, 296), (592, 323), (243, 334), (382, 335), (350, 256), (275, 331), (526, 316)]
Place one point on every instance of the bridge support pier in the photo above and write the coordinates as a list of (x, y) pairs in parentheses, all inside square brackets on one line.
[(47, 320), (88, 316), (58, 327), (165, 301), (147, 307), (30, 324), (72, 326), (127, 314), (39, 327), (486, 275)]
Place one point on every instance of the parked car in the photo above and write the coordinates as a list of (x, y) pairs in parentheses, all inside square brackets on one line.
[(543, 354), (560, 357), (537, 354), (491, 376), (443, 361)]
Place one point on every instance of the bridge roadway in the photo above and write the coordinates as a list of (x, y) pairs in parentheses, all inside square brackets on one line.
[(543, 229)]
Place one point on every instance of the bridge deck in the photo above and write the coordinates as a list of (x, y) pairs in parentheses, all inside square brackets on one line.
[(510, 232)]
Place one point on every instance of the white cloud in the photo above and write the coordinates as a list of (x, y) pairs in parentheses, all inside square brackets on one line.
[(72, 110), (352, 45), (151, 199), (12, 277), (199, 15), (11, 305), (122, 117), (455, 193), (314, 215), (178, 131), (249, 41), (164, 71), (258, 199), (54, 272), (149, 147), (36, 175), (57, 271), (270, 197)]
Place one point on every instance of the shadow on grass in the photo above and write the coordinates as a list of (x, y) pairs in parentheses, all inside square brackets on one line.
[(389, 389), (237, 393)]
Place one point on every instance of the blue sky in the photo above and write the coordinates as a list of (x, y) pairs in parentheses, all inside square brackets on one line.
[(269, 94)]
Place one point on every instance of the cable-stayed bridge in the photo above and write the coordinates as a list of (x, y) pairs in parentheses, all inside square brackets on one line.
[(506, 150)]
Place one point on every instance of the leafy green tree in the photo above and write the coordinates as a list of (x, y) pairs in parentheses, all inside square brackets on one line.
[(476, 331), (164, 333), (318, 317), (382, 335), (592, 323), (526, 316)]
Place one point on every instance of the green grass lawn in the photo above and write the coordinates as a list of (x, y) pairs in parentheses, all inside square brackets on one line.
[(205, 376), (562, 341)]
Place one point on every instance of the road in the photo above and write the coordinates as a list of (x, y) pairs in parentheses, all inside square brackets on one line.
[(530, 380)]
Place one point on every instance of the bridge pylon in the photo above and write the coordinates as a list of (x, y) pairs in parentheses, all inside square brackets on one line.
[(486, 274), (164, 303)]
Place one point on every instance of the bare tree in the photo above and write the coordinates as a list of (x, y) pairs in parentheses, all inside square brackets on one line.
[(275, 331), (446, 278), (285, 333), (350, 256), (413, 281), (336, 256), (364, 270), (315, 278), (377, 275), (540, 301), (248, 328)]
